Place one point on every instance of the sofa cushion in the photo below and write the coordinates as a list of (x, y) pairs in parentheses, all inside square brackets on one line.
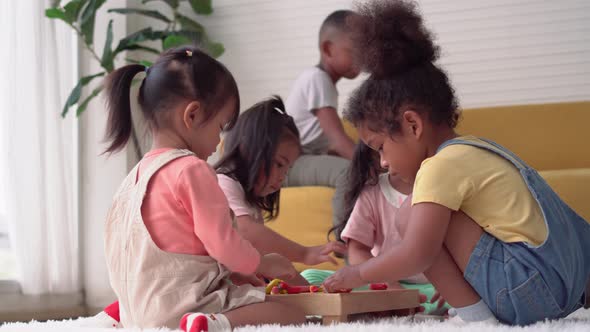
[(573, 186), (306, 217), (547, 136), (350, 130)]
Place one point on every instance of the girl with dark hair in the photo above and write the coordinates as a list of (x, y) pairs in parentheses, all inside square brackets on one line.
[(258, 152), (169, 240), (490, 234), (364, 171), (371, 227)]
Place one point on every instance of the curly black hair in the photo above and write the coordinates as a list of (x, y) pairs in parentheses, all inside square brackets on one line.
[(392, 44)]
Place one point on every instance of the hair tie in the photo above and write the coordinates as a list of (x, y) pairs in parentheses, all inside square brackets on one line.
[(279, 110), (189, 53)]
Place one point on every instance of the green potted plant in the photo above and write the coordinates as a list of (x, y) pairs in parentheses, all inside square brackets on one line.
[(179, 29)]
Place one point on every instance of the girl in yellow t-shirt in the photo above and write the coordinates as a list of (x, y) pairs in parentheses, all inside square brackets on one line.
[(484, 227)]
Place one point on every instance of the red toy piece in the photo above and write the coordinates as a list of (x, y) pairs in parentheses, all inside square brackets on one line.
[(378, 286), (294, 289), (315, 289), (278, 286)]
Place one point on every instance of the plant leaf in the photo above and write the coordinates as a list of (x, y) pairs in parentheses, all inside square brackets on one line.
[(72, 10), (189, 24), (140, 62), (187, 37), (143, 48), (82, 106), (107, 60), (77, 91), (171, 3), (202, 7), (138, 37), (146, 63), (215, 49), (56, 13), (87, 20), (174, 41), (151, 13)]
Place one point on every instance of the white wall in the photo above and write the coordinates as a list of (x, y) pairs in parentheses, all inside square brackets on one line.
[(497, 52), (269, 43), (101, 175), (506, 52)]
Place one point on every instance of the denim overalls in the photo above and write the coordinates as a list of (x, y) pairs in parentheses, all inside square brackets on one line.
[(521, 283)]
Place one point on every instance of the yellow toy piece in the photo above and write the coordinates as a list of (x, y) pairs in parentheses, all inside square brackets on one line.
[(273, 283)]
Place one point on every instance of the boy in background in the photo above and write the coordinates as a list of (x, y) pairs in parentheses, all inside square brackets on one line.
[(313, 104)]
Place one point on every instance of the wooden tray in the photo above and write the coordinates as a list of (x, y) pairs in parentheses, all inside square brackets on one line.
[(336, 307)]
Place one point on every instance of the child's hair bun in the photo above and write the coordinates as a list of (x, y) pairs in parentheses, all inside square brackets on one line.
[(390, 37)]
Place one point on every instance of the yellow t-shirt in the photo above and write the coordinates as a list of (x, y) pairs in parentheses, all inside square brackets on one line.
[(486, 187)]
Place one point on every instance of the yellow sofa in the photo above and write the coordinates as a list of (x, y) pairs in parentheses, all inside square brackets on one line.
[(553, 138)]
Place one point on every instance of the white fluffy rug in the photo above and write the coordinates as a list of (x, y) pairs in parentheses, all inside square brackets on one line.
[(577, 322)]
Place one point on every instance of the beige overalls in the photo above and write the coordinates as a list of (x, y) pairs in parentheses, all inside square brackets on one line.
[(155, 288)]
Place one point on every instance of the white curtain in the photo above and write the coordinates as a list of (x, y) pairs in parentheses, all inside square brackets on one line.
[(37, 147)]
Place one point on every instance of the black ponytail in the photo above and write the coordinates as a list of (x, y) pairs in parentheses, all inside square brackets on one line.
[(363, 171), (117, 86)]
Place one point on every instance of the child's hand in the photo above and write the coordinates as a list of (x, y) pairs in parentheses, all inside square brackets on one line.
[(320, 254), (346, 278), (439, 298), (243, 279), (275, 266)]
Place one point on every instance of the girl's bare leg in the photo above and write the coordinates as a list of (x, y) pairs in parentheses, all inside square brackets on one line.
[(446, 273), (448, 280)]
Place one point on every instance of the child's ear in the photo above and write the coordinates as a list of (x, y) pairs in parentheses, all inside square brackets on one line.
[(326, 48), (192, 115), (413, 123)]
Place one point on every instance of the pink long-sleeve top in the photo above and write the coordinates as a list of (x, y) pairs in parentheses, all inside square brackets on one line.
[(186, 212)]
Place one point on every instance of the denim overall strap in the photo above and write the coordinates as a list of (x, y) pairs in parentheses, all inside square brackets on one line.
[(491, 146), (563, 260)]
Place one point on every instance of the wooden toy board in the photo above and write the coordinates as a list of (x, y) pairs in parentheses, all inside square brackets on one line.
[(336, 307)]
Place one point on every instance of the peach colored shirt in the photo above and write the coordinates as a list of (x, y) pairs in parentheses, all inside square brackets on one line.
[(186, 212), (236, 197), (373, 220)]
